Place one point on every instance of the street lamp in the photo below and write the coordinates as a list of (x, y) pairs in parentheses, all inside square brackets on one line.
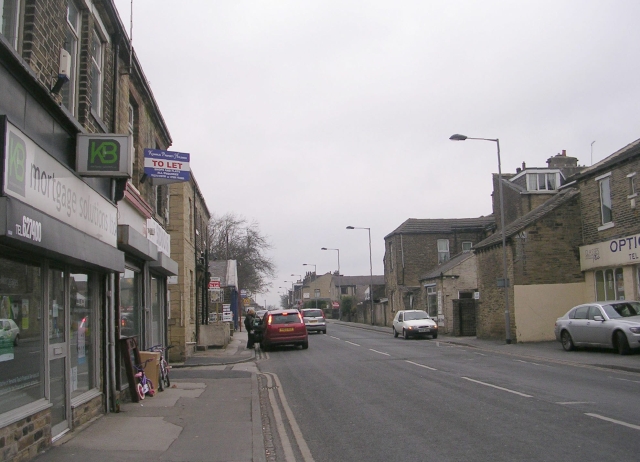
[(339, 292), (507, 320), (315, 277), (370, 269)]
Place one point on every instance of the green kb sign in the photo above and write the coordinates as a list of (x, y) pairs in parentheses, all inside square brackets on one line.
[(104, 155)]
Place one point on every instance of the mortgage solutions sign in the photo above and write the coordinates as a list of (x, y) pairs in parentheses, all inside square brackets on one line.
[(40, 181)]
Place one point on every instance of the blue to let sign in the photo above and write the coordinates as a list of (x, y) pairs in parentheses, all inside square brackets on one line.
[(167, 165)]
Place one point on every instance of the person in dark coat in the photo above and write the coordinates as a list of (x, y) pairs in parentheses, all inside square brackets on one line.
[(248, 325)]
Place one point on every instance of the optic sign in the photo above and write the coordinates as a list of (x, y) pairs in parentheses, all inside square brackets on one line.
[(166, 166)]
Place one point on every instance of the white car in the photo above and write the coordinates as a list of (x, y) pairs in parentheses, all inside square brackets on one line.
[(9, 330), (414, 323)]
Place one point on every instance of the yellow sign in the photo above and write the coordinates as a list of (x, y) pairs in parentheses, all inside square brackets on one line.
[(246, 301)]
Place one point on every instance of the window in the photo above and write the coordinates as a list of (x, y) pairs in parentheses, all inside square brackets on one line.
[(467, 246), (9, 20), (542, 181), (390, 256), (605, 199), (71, 45), (633, 192), (610, 284), (97, 62), (443, 250), (432, 301), (21, 367)]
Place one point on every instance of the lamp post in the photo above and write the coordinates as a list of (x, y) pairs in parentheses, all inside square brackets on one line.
[(287, 293), (339, 292), (507, 320), (370, 269), (315, 275), (301, 285)]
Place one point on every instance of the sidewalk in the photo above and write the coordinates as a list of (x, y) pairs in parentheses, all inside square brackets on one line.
[(210, 413)]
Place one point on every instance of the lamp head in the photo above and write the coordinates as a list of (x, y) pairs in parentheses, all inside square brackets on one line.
[(457, 137), (350, 227), (324, 248)]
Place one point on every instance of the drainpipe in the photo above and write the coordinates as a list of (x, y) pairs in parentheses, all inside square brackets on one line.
[(115, 401)]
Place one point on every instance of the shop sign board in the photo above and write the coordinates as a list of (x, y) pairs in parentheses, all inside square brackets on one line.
[(104, 154), (158, 236), (37, 179), (616, 252), (166, 166), (227, 316)]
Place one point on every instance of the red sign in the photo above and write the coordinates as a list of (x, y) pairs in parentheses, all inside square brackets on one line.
[(214, 284), (335, 304)]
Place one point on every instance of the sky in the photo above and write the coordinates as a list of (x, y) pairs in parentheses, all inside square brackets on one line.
[(310, 116)]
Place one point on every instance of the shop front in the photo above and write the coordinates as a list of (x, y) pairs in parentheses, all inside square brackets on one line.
[(612, 268), (58, 248)]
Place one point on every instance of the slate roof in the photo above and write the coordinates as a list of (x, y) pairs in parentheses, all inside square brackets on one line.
[(446, 266), (441, 225), (629, 151), (562, 197)]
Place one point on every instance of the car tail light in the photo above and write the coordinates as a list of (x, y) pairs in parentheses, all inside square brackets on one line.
[(269, 320)]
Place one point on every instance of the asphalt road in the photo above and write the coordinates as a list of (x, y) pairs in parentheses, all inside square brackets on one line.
[(364, 395)]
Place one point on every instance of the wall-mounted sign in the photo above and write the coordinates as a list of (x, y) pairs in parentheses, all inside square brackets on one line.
[(157, 235), (100, 154), (617, 252), (166, 166), (35, 178)]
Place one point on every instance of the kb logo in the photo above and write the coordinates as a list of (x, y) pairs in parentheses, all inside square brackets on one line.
[(17, 164), (104, 155)]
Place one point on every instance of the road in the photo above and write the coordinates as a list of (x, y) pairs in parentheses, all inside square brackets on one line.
[(359, 395)]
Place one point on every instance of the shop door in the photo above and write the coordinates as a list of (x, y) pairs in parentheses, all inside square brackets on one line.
[(58, 347)]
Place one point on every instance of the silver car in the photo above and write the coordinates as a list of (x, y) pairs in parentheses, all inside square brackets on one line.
[(612, 324), (314, 320)]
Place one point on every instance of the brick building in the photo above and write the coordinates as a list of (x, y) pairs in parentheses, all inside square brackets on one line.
[(543, 271), (419, 246), (610, 251), (88, 267)]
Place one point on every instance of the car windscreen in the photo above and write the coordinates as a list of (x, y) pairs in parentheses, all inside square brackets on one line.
[(622, 310), (284, 318), (414, 316), (312, 313)]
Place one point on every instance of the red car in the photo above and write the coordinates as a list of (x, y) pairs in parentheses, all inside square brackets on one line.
[(283, 327)]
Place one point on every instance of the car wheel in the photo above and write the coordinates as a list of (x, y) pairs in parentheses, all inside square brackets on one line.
[(395, 333), (622, 344), (567, 341), (435, 335), (405, 334), (305, 345), (15, 340), (324, 331)]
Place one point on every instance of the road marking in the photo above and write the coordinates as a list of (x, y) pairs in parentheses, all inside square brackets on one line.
[(379, 352), (625, 380), (334, 337), (420, 365), (479, 354), (619, 422), (527, 362), (347, 341), (573, 402), (284, 440), (497, 387)]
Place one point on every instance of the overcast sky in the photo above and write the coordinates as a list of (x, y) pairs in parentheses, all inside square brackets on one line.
[(309, 116)]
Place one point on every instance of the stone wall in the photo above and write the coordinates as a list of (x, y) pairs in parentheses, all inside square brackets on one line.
[(24, 439)]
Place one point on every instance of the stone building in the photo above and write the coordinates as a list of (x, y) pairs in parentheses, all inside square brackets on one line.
[(454, 280), (610, 250), (188, 291), (543, 271), (89, 266), (419, 246)]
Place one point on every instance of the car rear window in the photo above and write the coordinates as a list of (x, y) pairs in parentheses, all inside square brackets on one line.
[(312, 313), (284, 318)]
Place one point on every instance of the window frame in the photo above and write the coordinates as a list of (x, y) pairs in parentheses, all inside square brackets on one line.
[(14, 24), (70, 90), (96, 64), (443, 255), (605, 202), (633, 188), (470, 246)]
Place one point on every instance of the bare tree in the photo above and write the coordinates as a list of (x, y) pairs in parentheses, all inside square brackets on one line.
[(232, 237)]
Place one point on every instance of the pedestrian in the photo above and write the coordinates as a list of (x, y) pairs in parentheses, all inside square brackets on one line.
[(248, 325)]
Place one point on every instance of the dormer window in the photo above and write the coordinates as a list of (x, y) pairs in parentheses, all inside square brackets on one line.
[(542, 181)]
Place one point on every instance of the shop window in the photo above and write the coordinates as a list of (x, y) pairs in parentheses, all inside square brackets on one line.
[(9, 20), (432, 301), (609, 284), (72, 34), (157, 301), (83, 334), (129, 303), (21, 360), (443, 250)]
